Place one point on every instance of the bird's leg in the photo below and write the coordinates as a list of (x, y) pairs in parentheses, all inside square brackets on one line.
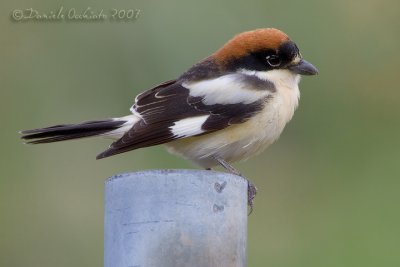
[(251, 188), (228, 167)]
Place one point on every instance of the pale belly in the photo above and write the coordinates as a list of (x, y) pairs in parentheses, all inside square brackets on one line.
[(241, 141)]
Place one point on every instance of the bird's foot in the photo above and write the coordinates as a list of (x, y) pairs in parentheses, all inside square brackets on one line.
[(251, 194), (251, 188)]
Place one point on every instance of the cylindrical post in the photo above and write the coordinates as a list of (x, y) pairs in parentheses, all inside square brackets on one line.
[(175, 218)]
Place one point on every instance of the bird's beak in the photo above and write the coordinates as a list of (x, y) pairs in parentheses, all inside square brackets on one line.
[(304, 68)]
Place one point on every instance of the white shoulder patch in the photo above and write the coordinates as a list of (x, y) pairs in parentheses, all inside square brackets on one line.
[(227, 89), (189, 126)]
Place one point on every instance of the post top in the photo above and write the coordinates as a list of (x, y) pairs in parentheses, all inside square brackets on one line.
[(175, 172)]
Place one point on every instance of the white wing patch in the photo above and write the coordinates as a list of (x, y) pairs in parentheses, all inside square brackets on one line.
[(188, 127), (227, 89)]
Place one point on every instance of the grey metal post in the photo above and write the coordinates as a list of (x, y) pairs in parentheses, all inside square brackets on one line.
[(175, 218)]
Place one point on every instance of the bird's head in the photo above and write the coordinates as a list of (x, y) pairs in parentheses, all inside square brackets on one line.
[(263, 50)]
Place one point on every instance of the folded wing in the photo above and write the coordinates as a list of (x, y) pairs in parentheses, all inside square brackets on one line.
[(175, 110)]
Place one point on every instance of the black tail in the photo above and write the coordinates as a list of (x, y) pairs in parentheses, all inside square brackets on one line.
[(70, 131)]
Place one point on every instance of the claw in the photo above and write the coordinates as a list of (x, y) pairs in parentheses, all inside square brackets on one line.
[(251, 194)]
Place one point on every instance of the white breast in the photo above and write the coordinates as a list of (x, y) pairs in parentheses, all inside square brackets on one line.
[(241, 141)]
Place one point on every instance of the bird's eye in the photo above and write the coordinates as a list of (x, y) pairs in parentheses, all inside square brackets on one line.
[(273, 60)]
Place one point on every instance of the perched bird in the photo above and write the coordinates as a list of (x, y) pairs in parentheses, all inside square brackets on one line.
[(226, 108)]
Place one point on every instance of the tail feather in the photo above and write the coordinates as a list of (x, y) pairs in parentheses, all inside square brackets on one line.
[(64, 132)]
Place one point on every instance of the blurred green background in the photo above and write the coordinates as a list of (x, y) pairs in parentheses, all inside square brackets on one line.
[(328, 189)]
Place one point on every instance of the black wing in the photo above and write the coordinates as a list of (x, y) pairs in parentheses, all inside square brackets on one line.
[(168, 103)]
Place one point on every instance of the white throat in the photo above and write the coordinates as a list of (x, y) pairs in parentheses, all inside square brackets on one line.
[(285, 81)]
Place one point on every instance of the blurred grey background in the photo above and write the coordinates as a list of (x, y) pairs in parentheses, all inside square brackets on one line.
[(328, 189)]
